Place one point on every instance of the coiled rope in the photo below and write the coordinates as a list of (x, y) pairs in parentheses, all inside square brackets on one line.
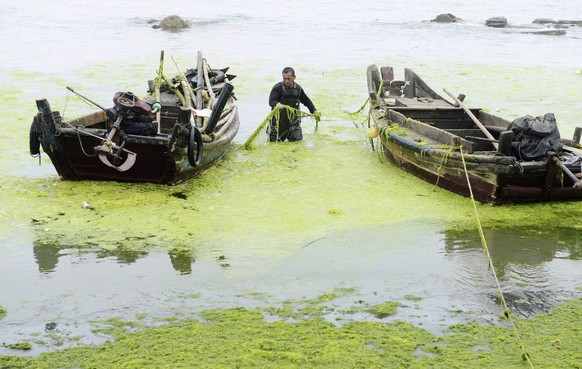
[(506, 310)]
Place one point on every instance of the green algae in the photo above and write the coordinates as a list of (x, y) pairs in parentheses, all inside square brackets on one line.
[(129, 221), (120, 210), (242, 338), (395, 127), (316, 308), (22, 346), (2, 312), (412, 297), (385, 309)]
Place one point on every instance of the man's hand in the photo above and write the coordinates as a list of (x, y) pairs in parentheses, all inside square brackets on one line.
[(279, 105)]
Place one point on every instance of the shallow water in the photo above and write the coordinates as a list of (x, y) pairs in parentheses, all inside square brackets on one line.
[(292, 221)]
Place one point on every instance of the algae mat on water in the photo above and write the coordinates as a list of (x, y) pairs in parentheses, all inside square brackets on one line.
[(258, 206), (239, 338)]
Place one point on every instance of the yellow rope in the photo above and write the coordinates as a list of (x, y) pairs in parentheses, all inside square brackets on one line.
[(507, 311)]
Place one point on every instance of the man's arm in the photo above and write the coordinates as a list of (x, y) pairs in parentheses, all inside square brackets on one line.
[(275, 95), (305, 100)]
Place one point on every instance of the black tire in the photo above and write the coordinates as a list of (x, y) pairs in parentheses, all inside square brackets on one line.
[(194, 146), (34, 140)]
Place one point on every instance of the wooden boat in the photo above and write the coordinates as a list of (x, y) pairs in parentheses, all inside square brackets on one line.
[(179, 129), (432, 138)]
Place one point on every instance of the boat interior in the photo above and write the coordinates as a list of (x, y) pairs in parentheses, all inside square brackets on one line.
[(448, 123), (101, 120)]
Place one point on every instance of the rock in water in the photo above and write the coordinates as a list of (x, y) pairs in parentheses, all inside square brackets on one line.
[(498, 22), (174, 22)]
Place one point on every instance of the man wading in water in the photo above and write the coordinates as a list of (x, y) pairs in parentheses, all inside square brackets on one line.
[(287, 92)]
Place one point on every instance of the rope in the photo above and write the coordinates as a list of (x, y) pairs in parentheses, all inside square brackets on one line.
[(440, 168), (103, 142), (507, 311)]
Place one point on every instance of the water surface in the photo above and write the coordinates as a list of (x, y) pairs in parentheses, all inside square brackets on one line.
[(292, 221)]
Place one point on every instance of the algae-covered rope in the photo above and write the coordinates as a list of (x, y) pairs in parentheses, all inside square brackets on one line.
[(373, 104), (275, 115), (356, 114), (443, 162), (507, 311), (368, 118)]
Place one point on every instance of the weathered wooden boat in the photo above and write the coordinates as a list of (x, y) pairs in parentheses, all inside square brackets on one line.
[(520, 161), (180, 128)]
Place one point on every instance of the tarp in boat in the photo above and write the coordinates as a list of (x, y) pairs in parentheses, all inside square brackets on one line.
[(535, 137)]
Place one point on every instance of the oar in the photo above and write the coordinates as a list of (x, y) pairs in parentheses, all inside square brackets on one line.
[(86, 99), (577, 181), (480, 139), (474, 118)]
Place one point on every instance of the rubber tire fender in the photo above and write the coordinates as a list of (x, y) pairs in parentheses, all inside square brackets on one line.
[(194, 139)]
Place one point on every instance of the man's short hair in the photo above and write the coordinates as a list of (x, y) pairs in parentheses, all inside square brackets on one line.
[(288, 70)]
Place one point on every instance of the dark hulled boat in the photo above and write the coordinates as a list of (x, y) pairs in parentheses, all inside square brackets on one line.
[(434, 139), (178, 130)]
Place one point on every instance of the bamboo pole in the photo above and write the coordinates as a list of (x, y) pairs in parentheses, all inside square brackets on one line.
[(188, 93), (199, 86), (208, 85), (474, 118), (158, 85), (176, 91)]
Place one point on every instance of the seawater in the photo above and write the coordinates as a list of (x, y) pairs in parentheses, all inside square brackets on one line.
[(286, 222)]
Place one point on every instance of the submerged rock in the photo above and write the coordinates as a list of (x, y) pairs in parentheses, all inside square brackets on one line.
[(571, 22), (550, 32), (446, 18), (543, 21), (498, 22), (558, 23)]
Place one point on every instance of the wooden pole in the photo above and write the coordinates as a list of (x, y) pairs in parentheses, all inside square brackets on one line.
[(158, 84), (577, 182), (474, 118), (188, 93), (199, 86), (208, 85)]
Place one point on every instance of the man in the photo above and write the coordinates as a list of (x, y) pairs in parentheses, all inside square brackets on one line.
[(287, 92)]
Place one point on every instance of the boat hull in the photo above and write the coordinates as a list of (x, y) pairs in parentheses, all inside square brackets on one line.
[(510, 185)]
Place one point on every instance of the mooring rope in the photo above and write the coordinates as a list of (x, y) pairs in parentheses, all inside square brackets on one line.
[(507, 311)]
